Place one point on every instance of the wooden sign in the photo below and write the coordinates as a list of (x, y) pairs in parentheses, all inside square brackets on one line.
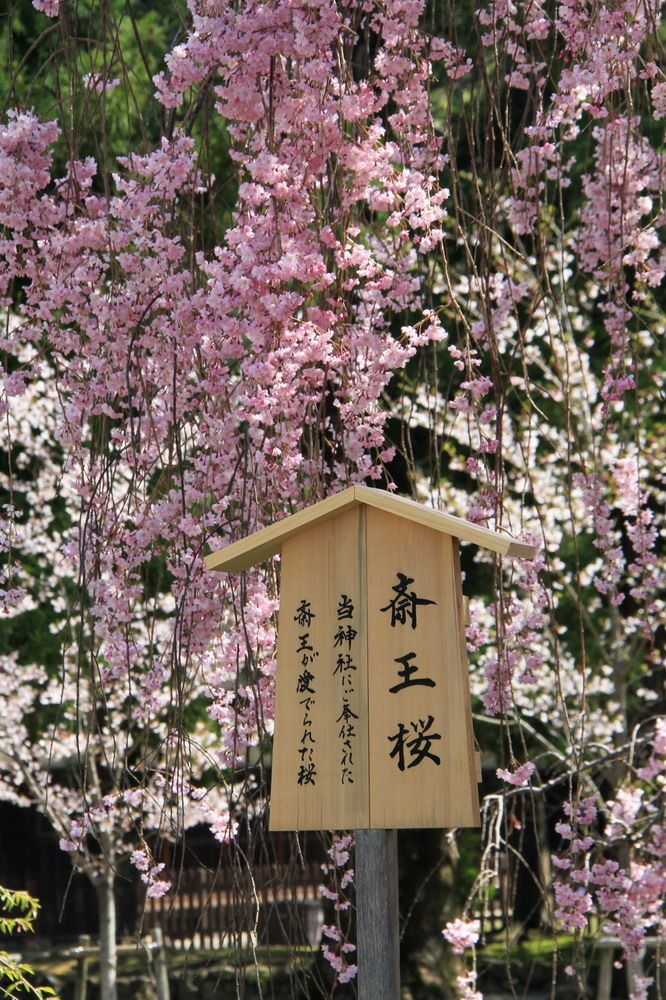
[(372, 721)]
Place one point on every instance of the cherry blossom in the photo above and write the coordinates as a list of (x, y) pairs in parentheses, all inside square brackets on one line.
[(458, 236)]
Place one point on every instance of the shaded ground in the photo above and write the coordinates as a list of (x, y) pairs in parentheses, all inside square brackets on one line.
[(275, 972), (535, 969)]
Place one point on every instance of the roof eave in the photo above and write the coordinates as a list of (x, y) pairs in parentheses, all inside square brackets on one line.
[(267, 542)]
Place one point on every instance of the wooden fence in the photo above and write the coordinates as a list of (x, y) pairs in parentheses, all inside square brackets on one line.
[(268, 904), (208, 901), (154, 951)]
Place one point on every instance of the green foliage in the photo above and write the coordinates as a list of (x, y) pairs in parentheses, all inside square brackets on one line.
[(26, 905), (92, 71), (15, 976), (46, 64)]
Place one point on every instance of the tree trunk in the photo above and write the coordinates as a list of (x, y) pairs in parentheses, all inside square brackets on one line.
[(108, 958)]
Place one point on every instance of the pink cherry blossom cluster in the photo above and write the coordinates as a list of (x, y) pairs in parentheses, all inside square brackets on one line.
[(544, 420), (10, 534), (462, 934), (142, 861), (513, 28), (200, 390), (279, 347), (606, 535), (519, 776), (636, 576), (642, 577), (202, 387), (514, 660), (336, 945), (629, 899), (466, 983)]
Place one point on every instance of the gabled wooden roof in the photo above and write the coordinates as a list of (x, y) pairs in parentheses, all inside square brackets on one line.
[(268, 541)]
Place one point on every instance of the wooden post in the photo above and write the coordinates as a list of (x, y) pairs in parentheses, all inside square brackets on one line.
[(161, 967), (604, 982), (82, 968), (377, 933)]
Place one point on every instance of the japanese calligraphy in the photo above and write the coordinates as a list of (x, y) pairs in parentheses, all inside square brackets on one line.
[(345, 608), (304, 681), (346, 712), (407, 674), (304, 614), (413, 742), (419, 747), (345, 635), (307, 770), (344, 666), (308, 651), (306, 774), (403, 606), (345, 669)]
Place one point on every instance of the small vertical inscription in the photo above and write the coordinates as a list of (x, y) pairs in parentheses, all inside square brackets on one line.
[(321, 747), (306, 655), (345, 671)]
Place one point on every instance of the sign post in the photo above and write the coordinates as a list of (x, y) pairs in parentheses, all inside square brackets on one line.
[(377, 923), (373, 727)]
